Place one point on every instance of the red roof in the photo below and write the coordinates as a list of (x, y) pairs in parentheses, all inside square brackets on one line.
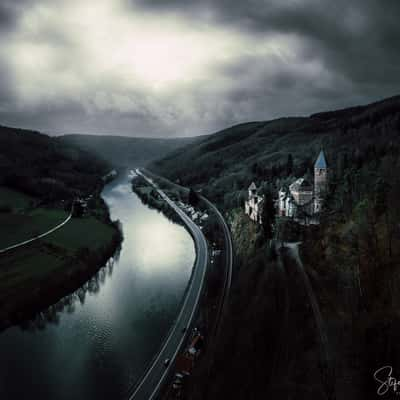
[(184, 364)]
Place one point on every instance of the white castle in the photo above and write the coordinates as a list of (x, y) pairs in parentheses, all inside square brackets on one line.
[(302, 196)]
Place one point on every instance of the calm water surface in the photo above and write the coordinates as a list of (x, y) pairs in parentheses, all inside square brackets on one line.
[(96, 343)]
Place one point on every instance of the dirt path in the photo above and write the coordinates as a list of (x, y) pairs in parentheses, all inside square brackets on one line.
[(326, 361)]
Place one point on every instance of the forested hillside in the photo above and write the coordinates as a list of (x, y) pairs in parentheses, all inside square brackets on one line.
[(226, 162), (45, 167)]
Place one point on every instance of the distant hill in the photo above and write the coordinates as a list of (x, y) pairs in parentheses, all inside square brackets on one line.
[(45, 167), (124, 151), (228, 160)]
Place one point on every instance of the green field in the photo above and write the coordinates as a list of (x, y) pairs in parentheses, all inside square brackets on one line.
[(15, 200), (20, 220), (22, 268), (79, 233), (17, 227), (32, 263)]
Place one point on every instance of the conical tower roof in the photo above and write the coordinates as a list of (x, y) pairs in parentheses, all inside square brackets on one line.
[(321, 161), (252, 186)]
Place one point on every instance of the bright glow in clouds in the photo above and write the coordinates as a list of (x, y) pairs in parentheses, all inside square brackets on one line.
[(186, 67), (101, 43), (100, 67)]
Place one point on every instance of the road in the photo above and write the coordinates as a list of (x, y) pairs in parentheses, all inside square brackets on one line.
[(150, 385), (280, 359), (326, 361), (228, 252), (228, 267), (25, 242)]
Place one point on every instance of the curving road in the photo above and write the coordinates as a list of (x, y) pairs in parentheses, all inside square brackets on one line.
[(37, 237), (150, 385), (228, 250), (228, 267)]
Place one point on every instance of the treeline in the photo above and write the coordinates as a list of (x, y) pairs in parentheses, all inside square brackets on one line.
[(149, 197)]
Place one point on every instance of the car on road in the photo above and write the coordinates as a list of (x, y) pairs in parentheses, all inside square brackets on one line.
[(177, 385), (166, 362)]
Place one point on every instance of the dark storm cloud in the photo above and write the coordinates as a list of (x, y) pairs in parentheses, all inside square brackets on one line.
[(10, 11), (341, 31), (358, 38), (262, 59)]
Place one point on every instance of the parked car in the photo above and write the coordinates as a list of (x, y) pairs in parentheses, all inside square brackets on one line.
[(177, 385)]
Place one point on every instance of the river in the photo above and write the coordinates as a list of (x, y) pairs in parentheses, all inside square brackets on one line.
[(97, 342)]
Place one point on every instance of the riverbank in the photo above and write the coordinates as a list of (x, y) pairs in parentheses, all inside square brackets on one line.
[(149, 197), (209, 314), (41, 273)]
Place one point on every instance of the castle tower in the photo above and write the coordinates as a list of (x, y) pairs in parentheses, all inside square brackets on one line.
[(320, 180), (252, 190)]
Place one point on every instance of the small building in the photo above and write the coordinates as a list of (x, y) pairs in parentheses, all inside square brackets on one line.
[(253, 205), (204, 217)]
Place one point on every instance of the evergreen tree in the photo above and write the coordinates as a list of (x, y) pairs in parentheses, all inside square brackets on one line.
[(268, 214), (289, 165), (193, 198)]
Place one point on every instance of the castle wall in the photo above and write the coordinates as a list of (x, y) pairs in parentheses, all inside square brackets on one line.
[(320, 181)]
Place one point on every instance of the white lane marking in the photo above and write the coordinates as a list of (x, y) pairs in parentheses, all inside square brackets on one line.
[(183, 338), (196, 232)]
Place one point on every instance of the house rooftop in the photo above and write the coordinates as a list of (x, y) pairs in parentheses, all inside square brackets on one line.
[(300, 184)]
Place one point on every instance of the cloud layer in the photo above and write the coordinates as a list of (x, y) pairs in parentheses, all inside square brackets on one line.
[(181, 67)]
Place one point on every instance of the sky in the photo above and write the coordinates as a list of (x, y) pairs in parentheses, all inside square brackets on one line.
[(166, 68)]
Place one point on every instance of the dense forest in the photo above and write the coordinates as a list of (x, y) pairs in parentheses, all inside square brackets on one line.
[(45, 167)]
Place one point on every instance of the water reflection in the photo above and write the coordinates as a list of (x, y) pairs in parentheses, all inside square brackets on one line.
[(96, 342), (67, 304)]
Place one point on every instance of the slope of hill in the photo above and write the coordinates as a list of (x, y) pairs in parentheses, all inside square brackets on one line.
[(125, 151), (228, 160), (43, 166), (351, 258)]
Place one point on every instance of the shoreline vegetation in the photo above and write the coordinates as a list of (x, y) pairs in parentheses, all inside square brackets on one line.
[(149, 197), (206, 318), (38, 275)]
